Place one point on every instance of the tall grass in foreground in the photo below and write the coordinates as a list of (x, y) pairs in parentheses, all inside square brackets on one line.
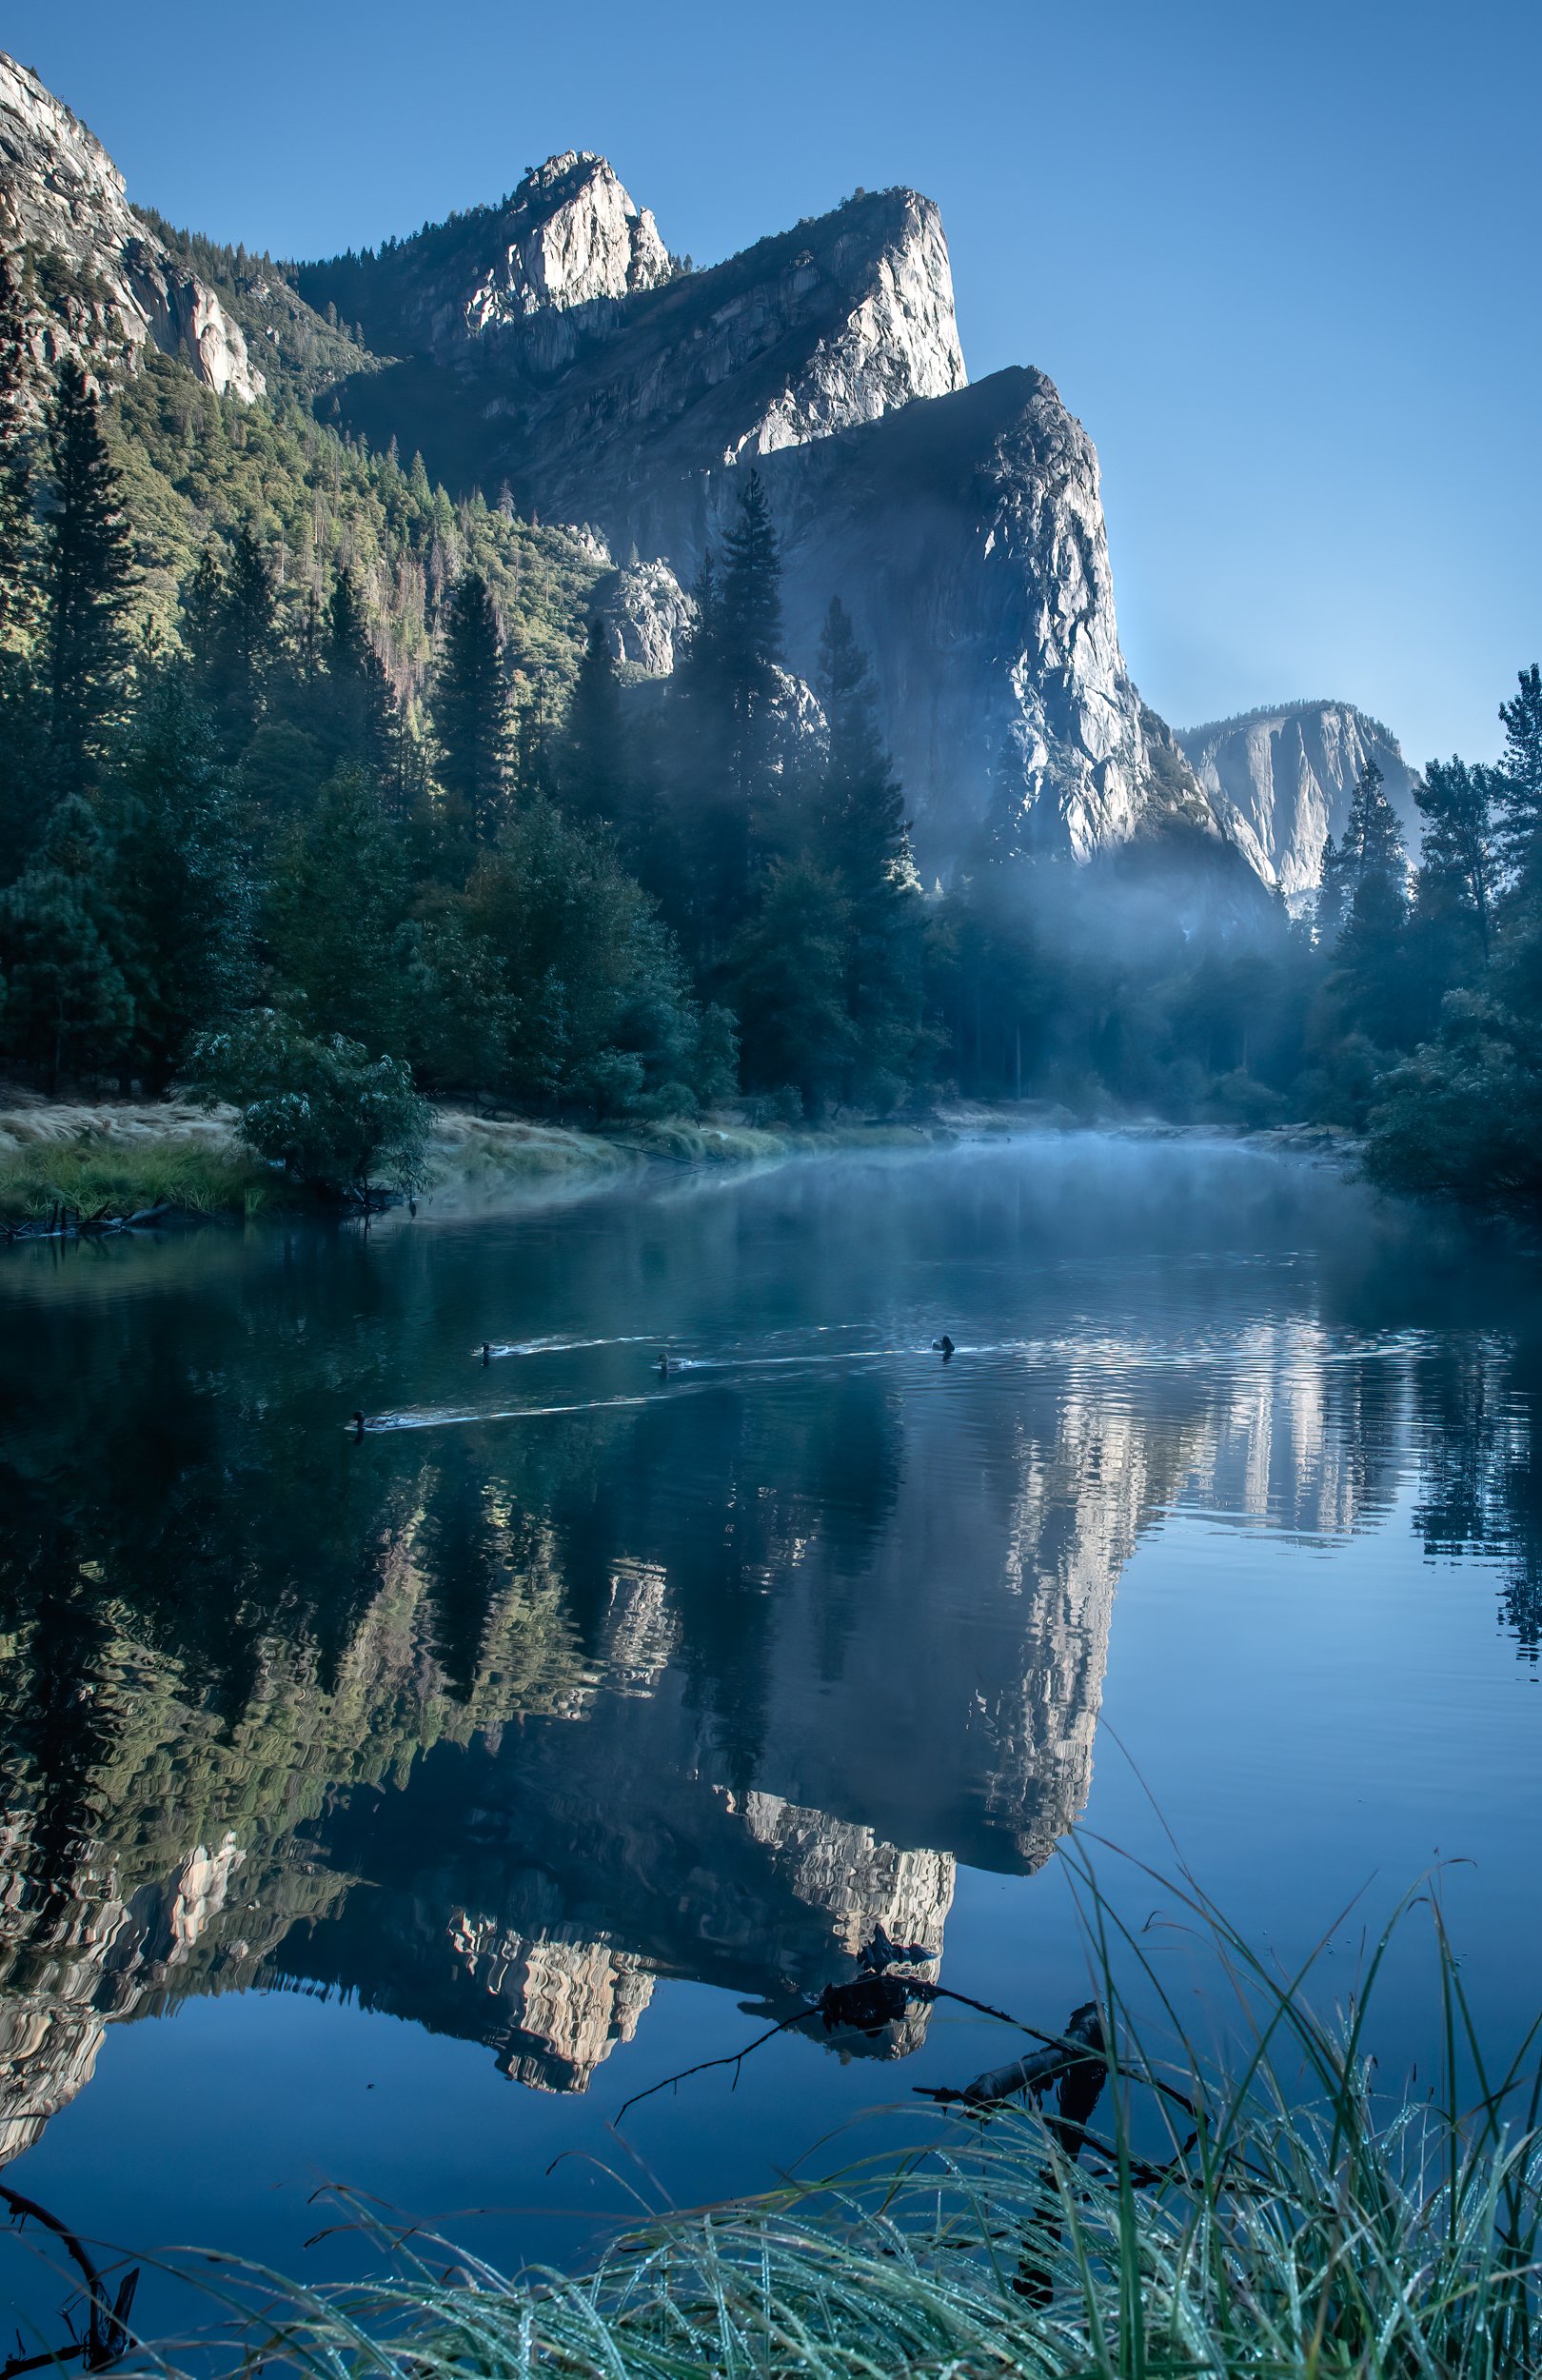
[(1266, 2214)]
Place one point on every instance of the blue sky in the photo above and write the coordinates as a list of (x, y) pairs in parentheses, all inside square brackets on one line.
[(1283, 261)]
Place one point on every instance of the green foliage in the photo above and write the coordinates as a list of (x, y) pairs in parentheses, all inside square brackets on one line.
[(93, 1172), (182, 890), (192, 462), (340, 892), (1462, 1117), (470, 709), (87, 569), (592, 770), (1519, 785), (789, 976), (605, 1017), (336, 1118), (67, 1005)]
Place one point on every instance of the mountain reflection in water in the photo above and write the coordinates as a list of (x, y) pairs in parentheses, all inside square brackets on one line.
[(592, 1680)]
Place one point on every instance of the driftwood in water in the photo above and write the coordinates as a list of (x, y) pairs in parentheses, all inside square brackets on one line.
[(1084, 2029), (1076, 2054)]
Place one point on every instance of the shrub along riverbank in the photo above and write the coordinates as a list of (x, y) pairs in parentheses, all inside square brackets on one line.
[(1164, 2214)]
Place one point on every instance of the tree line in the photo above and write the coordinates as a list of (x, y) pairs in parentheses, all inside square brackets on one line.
[(233, 855)]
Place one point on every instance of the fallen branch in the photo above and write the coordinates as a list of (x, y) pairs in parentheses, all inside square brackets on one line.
[(1080, 2045), (107, 2338)]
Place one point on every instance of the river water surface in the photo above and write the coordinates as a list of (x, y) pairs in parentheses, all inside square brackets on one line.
[(387, 1811)]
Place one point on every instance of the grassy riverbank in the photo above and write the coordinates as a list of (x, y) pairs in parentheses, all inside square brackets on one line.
[(1170, 2215), (122, 1157)]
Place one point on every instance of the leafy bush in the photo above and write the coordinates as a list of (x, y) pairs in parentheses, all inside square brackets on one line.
[(1462, 1117), (334, 1118)]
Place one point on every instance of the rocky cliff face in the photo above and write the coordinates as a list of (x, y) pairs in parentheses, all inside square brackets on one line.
[(1282, 779), (107, 282), (962, 527), (568, 238)]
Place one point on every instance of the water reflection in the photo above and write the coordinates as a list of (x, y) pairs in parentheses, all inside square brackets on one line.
[(496, 1721)]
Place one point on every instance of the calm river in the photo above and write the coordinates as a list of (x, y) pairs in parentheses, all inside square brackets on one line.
[(387, 1812)]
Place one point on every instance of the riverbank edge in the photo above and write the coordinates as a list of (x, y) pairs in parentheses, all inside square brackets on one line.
[(68, 1167)]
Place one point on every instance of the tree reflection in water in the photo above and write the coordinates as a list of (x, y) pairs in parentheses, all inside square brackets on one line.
[(494, 1724)]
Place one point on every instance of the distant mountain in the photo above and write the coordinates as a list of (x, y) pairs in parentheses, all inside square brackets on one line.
[(1281, 781), (550, 345), (105, 279), (549, 354)]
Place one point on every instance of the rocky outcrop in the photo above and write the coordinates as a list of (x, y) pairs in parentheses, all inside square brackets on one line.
[(646, 614), (569, 238), (1282, 779), (967, 539), (961, 528), (104, 283)]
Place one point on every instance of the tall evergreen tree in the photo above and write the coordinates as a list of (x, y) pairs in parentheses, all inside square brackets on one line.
[(86, 575), (339, 896), (353, 714), (862, 838), (748, 636), (1370, 866), (230, 625), (1520, 783), (471, 712), (68, 1007), (591, 772), (1458, 870), (183, 890), (724, 716)]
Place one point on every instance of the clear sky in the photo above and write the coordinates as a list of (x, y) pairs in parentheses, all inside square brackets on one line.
[(1280, 256)]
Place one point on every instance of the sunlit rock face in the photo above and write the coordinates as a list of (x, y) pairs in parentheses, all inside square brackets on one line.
[(966, 538), (962, 528), (72, 1959), (1282, 781), (646, 615), (62, 198), (563, 2002)]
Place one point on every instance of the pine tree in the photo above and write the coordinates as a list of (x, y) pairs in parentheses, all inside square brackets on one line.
[(748, 632), (353, 713), (86, 578), (470, 713), (1372, 863), (1458, 871), (184, 892), (230, 626), (1520, 783), (339, 896), (862, 839), (67, 1006), (722, 713), (790, 986), (591, 770), (1333, 896)]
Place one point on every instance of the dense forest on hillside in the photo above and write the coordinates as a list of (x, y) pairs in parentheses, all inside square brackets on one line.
[(323, 791)]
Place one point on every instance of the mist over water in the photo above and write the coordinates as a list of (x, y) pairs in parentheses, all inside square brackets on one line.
[(451, 1783)]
